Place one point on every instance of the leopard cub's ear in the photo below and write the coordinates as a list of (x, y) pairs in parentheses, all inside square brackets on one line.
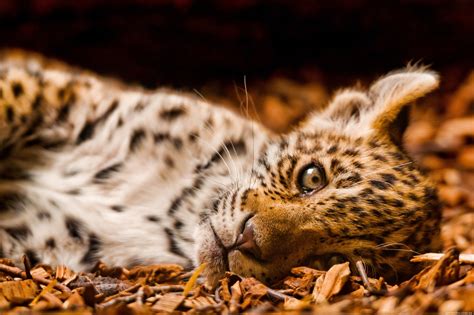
[(361, 113)]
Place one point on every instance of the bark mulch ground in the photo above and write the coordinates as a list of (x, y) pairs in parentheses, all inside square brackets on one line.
[(440, 137)]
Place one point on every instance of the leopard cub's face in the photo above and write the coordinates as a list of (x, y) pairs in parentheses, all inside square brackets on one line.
[(338, 188)]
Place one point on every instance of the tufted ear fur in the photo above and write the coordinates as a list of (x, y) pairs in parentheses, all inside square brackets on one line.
[(382, 109)]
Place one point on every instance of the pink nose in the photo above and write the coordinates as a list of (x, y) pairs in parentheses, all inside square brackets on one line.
[(246, 240)]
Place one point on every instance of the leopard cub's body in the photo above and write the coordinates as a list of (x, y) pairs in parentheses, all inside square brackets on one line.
[(92, 170)]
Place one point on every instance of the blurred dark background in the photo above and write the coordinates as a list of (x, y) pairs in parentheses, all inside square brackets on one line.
[(187, 42)]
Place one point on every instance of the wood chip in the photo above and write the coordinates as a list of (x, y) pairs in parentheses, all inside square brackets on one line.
[(74, 302), (192, 281), (40, 272), (331, 283), (463, 258), (168, 303), (443, 272), (199, 302), (63, 273), (19, 292), (156, 273), (236, 294)]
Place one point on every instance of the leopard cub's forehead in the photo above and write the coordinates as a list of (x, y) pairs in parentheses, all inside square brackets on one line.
[(323, 144)]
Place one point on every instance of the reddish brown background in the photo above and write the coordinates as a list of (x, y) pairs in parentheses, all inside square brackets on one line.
[(188, 42)]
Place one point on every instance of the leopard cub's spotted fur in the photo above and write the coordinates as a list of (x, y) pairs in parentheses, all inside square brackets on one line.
[(92, 170)]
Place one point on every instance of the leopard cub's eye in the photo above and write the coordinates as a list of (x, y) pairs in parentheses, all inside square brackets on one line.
[(311, 178)]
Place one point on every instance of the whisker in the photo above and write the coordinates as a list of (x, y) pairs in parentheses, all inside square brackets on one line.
[(212, 130), (200, 95), (406, 248)]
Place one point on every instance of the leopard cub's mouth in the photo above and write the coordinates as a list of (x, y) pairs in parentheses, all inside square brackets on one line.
[(245, 251)]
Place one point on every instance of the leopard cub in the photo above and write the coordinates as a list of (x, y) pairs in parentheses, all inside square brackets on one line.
[(91, 169)]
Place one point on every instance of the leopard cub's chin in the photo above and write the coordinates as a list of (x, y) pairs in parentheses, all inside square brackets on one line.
[(208, 251), (219, 260)]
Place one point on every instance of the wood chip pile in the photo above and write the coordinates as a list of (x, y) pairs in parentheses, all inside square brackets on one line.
[(441, 137)]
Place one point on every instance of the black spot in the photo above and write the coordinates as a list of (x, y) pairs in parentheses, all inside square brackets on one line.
[(169, 162), (229, 147), (137, 138), (175, 205), (357, 210), (73, 192), (187, 191), (111, 109), (43, 215), (351, 152), (397, 155), (353, 179), (413, 196), (86, 133), (173, 246), (397, 203), (377, 213), (193, 136), (378, 184), (332, 149), (139, 107), (374, 144), (236, 147), (173, 113), (9, 113), (50, 243), (340, 205), (64, 112), (10, 200), (345, 230), (34, 124), (414, 179), (160, 137), (178, 224), (107, 172), (19, 233), (117, 208), (152, 218), (339, 170), (32, 257), (389, 178), (366, 192), (379, 157), (6, 151), (95, 244), (334, 163), (17, 89), (74, 228), (178, 143), (430, 194), (215, 205), (209, 123), (37, 102)]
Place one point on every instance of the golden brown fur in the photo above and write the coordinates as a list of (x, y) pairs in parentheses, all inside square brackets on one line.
[(376, 205)]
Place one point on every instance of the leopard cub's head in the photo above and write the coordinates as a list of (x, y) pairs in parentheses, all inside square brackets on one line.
[(338, 188)]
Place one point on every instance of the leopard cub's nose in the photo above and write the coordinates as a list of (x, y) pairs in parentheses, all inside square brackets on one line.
[(246, 240)]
